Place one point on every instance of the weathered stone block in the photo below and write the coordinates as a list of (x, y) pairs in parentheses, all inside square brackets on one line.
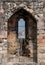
[(0, 58), (3, 34)]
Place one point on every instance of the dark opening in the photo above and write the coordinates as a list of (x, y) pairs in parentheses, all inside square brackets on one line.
[(23, 22)]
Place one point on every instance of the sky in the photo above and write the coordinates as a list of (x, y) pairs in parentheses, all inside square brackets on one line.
[(21, 28)]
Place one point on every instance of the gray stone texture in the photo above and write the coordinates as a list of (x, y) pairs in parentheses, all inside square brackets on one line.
[(37, 9)]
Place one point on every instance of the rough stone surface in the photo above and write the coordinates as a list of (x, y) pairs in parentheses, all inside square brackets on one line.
[(7, 9)]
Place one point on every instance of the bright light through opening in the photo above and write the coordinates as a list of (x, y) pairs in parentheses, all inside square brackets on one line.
[(21, 29)]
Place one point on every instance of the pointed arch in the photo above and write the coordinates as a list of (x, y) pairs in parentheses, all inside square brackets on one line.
[(30, 33)]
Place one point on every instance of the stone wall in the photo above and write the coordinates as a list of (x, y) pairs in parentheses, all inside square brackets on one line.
[(37, 9)]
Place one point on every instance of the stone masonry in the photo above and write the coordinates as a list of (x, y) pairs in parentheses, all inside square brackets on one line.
[(7, 9)]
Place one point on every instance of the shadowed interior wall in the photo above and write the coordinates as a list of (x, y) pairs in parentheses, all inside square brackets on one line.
[(23, 47)]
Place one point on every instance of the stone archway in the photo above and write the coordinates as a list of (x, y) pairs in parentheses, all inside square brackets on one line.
[(22, 47)]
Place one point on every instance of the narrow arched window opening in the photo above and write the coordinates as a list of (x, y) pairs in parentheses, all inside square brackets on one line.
[(21, 29)]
